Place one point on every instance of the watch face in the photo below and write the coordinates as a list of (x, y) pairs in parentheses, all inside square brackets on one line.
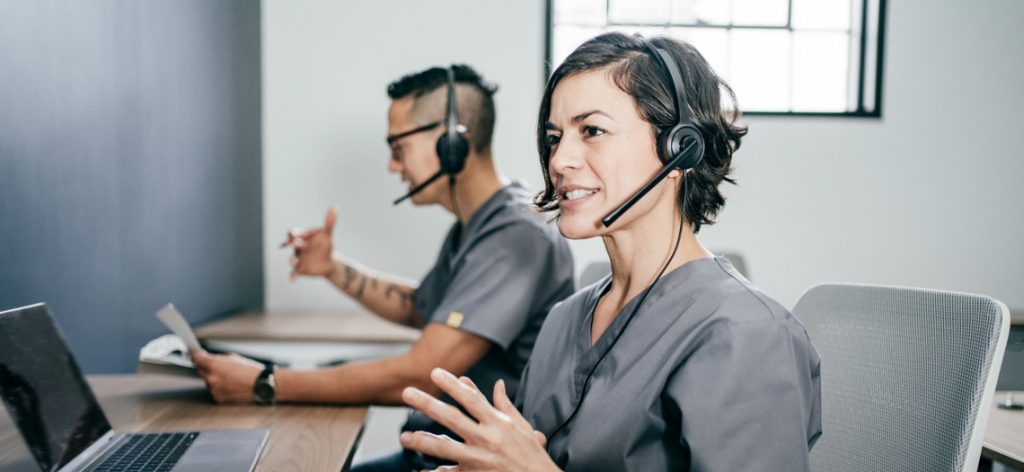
[(263, 391)]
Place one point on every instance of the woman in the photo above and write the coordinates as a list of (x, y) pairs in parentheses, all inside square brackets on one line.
[(674, 361)]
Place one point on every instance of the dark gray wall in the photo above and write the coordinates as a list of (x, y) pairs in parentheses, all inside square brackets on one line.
[(129, 165)]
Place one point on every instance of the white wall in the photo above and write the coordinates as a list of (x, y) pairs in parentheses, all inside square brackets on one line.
[(926, 196)]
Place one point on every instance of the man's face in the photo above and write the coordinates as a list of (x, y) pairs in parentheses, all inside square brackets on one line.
[(414, 157)]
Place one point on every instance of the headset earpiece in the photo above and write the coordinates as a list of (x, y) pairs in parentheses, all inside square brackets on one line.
[(673, 145), (452, 150), (452, 147)]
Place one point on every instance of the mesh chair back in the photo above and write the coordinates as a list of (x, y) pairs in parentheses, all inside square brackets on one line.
[(907, 375)]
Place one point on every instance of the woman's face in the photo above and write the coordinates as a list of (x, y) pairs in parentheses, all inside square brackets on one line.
[(602, 152)]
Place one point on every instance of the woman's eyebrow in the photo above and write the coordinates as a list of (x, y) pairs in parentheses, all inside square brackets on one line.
[(578, 118), (587, 114)]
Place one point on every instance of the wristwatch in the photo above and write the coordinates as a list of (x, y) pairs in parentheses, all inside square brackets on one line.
[(265, 388)]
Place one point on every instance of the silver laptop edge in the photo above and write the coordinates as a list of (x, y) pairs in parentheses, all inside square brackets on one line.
[(252, 441)]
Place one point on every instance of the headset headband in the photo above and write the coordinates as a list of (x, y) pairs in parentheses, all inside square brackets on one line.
[(668, 64)]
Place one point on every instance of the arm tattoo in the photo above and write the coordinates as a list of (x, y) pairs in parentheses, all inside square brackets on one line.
[(350, 275), (403, 295), (362, 287)]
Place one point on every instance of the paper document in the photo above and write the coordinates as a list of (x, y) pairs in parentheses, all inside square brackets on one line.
[(166, 355), (177, 324)]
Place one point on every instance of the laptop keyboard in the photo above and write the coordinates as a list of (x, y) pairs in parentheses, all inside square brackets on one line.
[(156, 452)]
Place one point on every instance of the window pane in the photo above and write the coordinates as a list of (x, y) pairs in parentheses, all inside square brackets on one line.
[(638, 11), (820, 62), (760, 12), (822, 14), (760, 65), (779, 56), (699, 12), (580, 12), (566, 39), (713, 44)]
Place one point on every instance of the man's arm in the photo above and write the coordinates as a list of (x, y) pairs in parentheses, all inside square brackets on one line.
[(389, 297), (380, 382), (231, 378)]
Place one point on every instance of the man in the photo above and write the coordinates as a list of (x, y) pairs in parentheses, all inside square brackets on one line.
[(500, 269)]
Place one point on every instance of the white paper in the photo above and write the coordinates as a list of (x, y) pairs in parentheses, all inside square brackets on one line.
[(177, 324), (167, 349), (166, 355)]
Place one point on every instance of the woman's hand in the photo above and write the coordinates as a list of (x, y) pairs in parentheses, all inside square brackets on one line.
[(500, 439)]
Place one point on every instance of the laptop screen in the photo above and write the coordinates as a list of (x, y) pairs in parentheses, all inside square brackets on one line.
[(43, 389)]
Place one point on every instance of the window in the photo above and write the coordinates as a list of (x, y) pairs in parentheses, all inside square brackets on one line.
[(781, 57)]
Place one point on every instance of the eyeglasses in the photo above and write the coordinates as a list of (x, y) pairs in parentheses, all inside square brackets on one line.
[(393, 139)]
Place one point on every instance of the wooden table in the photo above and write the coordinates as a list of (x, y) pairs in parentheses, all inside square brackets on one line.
[(1004, 435), (308, 339), (342, 325), (302, 438)]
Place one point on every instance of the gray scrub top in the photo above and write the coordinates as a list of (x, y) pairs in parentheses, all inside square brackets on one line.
[(711, 374), (497, 278)]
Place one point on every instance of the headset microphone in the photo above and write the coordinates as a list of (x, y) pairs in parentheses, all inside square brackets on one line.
[(610, 218), (419, 187)]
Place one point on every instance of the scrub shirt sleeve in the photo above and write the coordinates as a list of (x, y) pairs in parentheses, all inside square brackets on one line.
[(492, 293), (745, 397)]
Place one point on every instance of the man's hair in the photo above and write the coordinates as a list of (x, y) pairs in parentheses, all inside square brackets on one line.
[(635, 72), (472, 97)]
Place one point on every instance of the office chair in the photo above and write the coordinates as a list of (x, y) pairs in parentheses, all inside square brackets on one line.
[(907, 375)]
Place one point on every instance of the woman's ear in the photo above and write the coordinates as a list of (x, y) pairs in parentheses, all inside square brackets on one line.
[(675, 173)]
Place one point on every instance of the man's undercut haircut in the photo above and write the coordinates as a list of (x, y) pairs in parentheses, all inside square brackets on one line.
[(429, 90)]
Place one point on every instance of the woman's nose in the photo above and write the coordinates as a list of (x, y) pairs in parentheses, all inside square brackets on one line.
[(566, 156)]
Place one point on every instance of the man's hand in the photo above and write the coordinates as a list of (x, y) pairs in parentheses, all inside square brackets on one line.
[(313, 248), (229, 378)]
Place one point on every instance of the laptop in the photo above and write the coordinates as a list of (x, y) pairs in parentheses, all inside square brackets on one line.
[(65, 428)]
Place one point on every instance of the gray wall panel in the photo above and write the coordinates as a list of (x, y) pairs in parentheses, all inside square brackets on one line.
[(129, 165)]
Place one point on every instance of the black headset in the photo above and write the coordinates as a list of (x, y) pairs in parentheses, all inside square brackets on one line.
[(683, 146), (680, 146), (452, 147)]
